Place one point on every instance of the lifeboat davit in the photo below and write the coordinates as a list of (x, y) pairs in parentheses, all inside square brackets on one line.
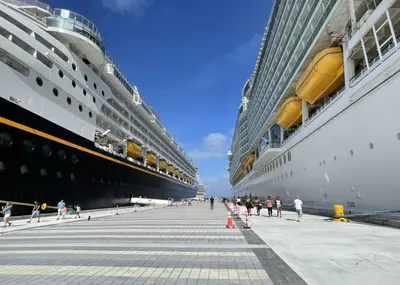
[(323, 76), (134, 150), (290, 112)]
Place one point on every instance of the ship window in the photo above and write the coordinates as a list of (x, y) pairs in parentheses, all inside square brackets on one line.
[(55, 91), (60, 73), (74, 66), (46, 150), (280, 161), (324, 162), (284, 158), (90, 114), (80, 108), (59, 175), (335, 158), (73, 83), (69, 101), (291, 173), (74, 159), (398, 136), (43, 172), (289, 156), (94, 85), (62, 154), (2, 166), (5, 139), (351, 152), (28, 146), (23, 169), (39, 81), (102, 92), (72, 176), (371, 145), (84, 92), (94, 100), (85, 76)]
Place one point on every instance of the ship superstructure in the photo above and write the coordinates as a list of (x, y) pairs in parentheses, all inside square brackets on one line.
[(318, 115), (66, 103)]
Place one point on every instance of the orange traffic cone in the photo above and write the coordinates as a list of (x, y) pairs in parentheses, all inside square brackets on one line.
[(230, 222)]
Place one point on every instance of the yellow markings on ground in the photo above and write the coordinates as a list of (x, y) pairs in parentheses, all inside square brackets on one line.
[(116, 252), (131, 272)]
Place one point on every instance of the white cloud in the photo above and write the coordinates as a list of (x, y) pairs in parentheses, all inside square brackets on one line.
[(246, 52), (137, 7), (214, 145)]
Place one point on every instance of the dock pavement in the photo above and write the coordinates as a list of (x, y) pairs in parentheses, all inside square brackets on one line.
[(171, 245)]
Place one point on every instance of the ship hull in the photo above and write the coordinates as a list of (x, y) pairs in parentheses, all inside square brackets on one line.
[(347, 154), (42, 161)]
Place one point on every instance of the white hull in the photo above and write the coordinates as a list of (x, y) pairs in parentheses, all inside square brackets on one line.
[(363, 116)]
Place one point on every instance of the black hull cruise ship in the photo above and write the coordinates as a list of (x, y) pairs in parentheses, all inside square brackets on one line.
[(71, 125)]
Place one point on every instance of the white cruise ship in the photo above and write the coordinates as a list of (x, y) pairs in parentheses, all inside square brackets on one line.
[(319, 115), (72, 126)]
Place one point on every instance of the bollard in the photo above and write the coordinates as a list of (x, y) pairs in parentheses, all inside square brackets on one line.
[(117, 211), (136, 207), (246, 226)]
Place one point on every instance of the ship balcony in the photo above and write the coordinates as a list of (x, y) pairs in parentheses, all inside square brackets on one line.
[(267, 154), (113, 74), (34, 7), (77, 31)]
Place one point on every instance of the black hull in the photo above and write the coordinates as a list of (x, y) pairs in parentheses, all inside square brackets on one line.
[(66, 166)]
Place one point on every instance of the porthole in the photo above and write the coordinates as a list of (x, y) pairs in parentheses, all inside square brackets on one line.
[(280, 161), (94, 100), (282, 176), (62, 154), (351, 152), (84, 92), (284, 158), (85, 76), (80, 108), (39, 81), (323, 162), (55, 91), (2, 166), (59, 175), (371, 145), (72, 176), (94, 85), (74, 66), (43, 172), (74, 159), (69, 101), (90, 114), (289, 156), (23, 169), (320, 163), (291, 173), (60, 73), (46, 150), (28, 146), (287, 175), (73, 83), (5, 139), (334, 158), (398, 136), (102, 92)]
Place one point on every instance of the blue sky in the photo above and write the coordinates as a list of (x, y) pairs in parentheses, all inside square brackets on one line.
[(190, 60)]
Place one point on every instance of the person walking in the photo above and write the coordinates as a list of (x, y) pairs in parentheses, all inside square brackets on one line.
[(60, 206), (78, 210), (35, 211), (259, 206), (298, 204), (268, 204), (7, 214), (212, 203), (278, 203), (249, 206)]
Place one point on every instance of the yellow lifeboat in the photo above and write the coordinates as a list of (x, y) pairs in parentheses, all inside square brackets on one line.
[(176, 172), (162, 165), (133, 150), (170, 169), (323, 76), (236, 177), (290, 112), (249, 160), (151, 158), (181, 175)]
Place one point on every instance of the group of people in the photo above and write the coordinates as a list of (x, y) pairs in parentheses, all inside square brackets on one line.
[(61, 207), (270, 203)]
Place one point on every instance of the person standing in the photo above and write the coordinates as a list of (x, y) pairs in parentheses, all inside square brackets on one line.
[(278, 203), (268, 204), (35, 211), (249, 206), (60, 206), (298, 204), (78, 210), (212, 203), (7, 214)]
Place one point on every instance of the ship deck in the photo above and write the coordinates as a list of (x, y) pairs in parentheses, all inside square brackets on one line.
[(190, 245)]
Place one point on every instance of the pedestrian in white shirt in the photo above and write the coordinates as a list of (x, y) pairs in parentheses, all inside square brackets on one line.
[(298, 204)]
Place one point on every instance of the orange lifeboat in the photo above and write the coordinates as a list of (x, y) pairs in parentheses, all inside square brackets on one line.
[(170, 169), (162, 165), (151, 158), (323, 76), (249, 161), (290, 112), (134, 150)]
